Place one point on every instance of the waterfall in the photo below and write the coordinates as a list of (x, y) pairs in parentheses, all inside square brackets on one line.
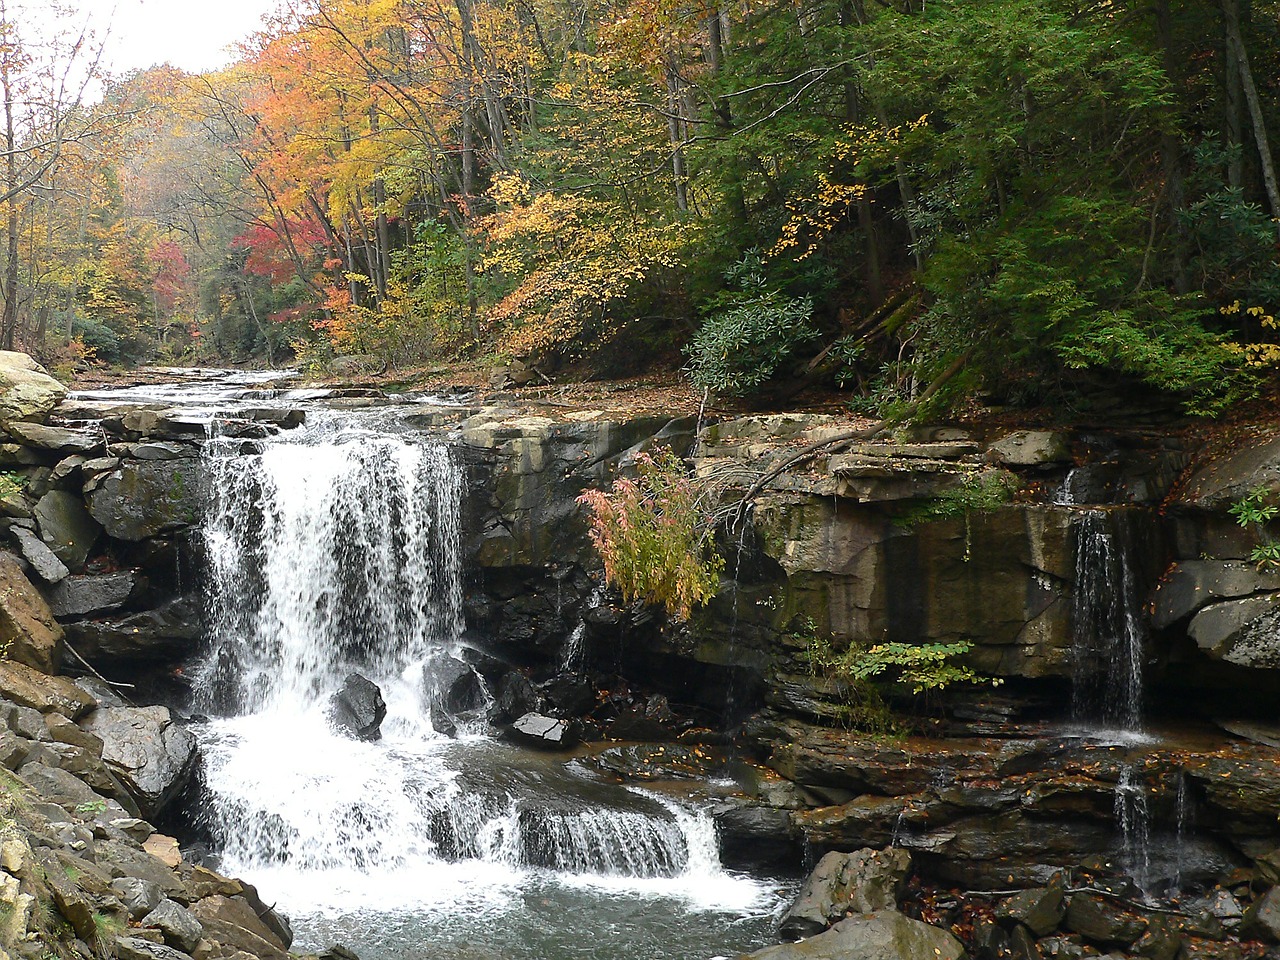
[(332, 550), (1107, 624), (573, 651), (325, 557)]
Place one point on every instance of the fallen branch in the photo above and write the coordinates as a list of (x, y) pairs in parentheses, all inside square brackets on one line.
[(88, 666)]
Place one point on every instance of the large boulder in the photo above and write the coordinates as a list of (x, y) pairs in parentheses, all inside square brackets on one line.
[(164, 634), (152, 754), (66, 527), (27, 392), (232, 922), (453, 686), (884, 935), (176, 923), (87, 594), (28, 632), (1103, 922), (1227, 479), (1262, 919), (1193, 584), (860, 882), (142, 498), (1244, 632), (1030, 448), (1039, 909), (358, 708), (57, 440)]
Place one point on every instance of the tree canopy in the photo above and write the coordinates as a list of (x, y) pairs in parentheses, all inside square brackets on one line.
[(773, 193)]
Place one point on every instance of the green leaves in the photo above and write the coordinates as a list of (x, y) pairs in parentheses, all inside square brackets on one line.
[(749, 333), (863, 674)]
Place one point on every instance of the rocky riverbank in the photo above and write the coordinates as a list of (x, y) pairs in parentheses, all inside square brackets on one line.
[(1015, 786)]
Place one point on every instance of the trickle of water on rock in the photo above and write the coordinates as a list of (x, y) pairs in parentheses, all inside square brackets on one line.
[(1185, 815), (1133, 818), (573, 652), (336, 550)]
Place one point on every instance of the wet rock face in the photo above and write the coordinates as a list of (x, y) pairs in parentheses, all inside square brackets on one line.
[(358, 708)]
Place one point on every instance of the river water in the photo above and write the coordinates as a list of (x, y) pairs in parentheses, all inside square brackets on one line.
[(334, 548)]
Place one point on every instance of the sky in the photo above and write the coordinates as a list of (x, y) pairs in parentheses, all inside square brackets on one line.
[(190, 34)]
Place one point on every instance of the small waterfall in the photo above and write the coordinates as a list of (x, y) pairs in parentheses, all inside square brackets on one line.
[(1107, 624), (1184, 819), (573, 652), (1133, 817), (1067, 494)]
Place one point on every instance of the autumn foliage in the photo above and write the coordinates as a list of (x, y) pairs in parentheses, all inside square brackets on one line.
[(652, 533)]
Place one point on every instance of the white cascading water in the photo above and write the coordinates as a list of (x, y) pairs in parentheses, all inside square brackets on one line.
[(334, 550), (1108, 626)]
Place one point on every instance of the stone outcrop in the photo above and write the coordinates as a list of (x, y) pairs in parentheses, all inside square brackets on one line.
[(28, 632), (860, 882), (867, 542), (27, 392), (143, 498), (152, 754), (77, 875)]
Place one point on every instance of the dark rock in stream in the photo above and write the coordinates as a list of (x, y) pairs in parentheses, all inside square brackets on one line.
[(453, 687), (358, 708), (518, 696)]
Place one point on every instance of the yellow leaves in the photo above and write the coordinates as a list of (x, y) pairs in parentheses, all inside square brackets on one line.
[(509, 190), (1258, 313), (814, 214), (1256, 355), (1253, 355), (573, 256)]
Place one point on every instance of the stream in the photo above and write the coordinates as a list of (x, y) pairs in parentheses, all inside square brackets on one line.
[(334, 548)]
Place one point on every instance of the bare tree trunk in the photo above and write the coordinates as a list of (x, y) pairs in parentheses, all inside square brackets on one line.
[(1234, 113), (678, 171), (1231, 16), (9, 318), (715, 41)]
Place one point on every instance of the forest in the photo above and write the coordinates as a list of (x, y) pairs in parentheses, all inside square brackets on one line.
[(1033, 200)]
